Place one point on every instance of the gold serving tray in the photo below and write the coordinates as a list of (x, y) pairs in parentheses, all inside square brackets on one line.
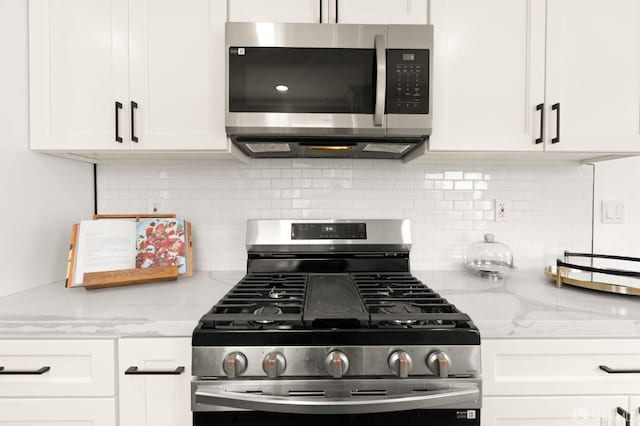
[(563, 275)]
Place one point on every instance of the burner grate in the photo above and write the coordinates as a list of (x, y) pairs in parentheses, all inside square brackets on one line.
[(261, 300), (401, 300)]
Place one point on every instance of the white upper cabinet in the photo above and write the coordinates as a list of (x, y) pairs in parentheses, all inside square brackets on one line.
[(593, 73), (78, 72), (177, 77), (274, 10), (381, 11), (117, 75), (488, 74)]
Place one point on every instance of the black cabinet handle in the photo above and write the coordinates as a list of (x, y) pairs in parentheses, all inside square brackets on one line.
[(556, 107), (134, 371), (540, 107), (25, 372), (625, 414), (610, 370), (134, 106), (118, 106)]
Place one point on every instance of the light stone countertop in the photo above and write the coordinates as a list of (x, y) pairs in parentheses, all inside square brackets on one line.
[(524, 305)]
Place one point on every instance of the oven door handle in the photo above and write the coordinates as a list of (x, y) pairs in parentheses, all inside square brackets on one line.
[(460, 396), (381, 79)]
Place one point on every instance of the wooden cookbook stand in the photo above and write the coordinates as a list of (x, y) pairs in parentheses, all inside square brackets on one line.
[(126, 277)]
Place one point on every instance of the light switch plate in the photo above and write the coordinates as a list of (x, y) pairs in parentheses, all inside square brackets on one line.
[(613, 211)]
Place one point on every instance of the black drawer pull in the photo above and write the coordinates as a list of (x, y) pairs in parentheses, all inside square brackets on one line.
[(134, 106), (556, 107), (25, 372), (134, 371), (616, 371), (118, 107), (624, 414), (540, 107)]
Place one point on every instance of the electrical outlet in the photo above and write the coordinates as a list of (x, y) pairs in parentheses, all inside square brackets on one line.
[(155, 205), (501, 210)]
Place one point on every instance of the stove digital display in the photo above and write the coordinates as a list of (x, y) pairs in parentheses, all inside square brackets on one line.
[(329, 231)]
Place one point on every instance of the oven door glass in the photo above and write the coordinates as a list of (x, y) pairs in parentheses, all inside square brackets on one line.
[(301, 80), (434, 417)]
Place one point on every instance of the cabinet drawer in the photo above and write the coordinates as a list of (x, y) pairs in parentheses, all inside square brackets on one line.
[(556, 367), (75, 368), (58, 412), (159, 394)]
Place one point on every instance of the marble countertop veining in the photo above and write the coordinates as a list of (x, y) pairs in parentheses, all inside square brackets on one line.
[(524, 305)]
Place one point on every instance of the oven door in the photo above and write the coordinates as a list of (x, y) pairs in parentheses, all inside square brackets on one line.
[(345, 402), (313, 79)]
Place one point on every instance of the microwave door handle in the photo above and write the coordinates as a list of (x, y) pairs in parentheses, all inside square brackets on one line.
[(381, 79), (321, 405)]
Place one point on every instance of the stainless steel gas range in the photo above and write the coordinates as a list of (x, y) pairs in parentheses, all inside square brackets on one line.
[(327, 327)]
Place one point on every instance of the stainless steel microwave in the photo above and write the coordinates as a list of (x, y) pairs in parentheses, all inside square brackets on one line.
[(328, 90)]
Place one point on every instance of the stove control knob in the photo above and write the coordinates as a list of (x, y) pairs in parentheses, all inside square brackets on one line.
[(337, 364), (234, 364), (274, 364), (439, 363), (400, 363)]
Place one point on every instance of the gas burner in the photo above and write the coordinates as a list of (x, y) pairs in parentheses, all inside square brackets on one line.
[(268, 311), (275, 293), (401, 308)]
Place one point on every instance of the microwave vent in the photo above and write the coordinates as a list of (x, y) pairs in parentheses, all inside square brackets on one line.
[(268, 147), (386, 147)]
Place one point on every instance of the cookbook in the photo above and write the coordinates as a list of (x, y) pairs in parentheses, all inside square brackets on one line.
[(119, 244)]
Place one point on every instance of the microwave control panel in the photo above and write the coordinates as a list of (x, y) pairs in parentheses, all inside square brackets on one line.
[(407, 81)]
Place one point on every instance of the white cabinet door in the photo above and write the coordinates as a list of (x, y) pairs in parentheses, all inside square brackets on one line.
[(634, 409), (78, 71), (559, 367), (555, 411), (155, 399), (274, 10), (57, 411), (593, 73), (64, 368), (488, 74), (382, 11), (177, 74)]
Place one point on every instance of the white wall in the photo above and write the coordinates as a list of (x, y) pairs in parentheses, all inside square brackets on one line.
[(41, 196), (450, 205), (618, 180)]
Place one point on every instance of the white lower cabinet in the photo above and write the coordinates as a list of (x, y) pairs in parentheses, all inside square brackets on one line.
[(57, 368), (58, 412), (560, 382), (634, 406), (158, 393), (553, 411), (57, 382)]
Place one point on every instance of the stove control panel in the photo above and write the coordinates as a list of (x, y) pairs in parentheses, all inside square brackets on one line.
[(328, 231), (338, 362)]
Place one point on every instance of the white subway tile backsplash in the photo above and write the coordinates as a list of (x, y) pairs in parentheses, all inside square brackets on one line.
[(449, 205)]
